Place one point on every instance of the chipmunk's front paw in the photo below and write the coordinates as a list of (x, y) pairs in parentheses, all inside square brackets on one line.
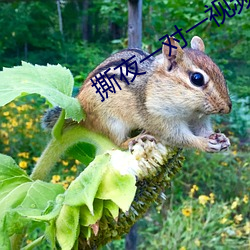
[(140, 139), (218, 142)]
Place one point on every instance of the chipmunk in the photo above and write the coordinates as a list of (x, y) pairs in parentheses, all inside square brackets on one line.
[(172, 102)]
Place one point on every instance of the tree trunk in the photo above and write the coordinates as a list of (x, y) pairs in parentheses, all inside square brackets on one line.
[(131, 238), (134, 23), (85, 28), (59, 16)]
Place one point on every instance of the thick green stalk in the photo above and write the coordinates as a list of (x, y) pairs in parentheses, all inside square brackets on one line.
[(57, 147)]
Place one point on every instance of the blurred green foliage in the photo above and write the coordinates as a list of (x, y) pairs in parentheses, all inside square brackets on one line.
[(30, 31)]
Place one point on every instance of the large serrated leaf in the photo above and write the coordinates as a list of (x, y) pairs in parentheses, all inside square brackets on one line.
[(112, 208), (53, 82), (39, 194), (67, 226), (118, 188), (9, 168), (9, 184), (86, 218), (14, 198), (83, 189), (21, 197)]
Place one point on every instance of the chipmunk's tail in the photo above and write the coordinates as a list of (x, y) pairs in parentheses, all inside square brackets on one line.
[(50, 117)]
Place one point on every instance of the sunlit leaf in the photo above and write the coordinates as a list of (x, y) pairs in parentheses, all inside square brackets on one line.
[(118, 188), (67, 226), (9, 168), (86, 218), (83, 152), (83, 189), (112, 208), (53, 82)]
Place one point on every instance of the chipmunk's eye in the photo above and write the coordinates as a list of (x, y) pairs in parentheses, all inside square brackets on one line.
[(197, 79)]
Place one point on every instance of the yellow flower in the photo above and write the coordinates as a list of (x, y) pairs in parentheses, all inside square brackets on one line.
[(73, 168), (223, 220), (24, 155), (203, 199), (234, 152), (12, 105), (65, 185), (70, 178), (77, 162), (197, 242), (14, 123), (245, 199), (247, 227), (6, 149), (6, 113), (211, 195), (65, 163), (4, 134), (193, 190), (235, 203), (35, 159), (6, 141), (182, 248), (55, 178), (224, 164), (187, 211), (238, 218), (23, 164), (29, 124)]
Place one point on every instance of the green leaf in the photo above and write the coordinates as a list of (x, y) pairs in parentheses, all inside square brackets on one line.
[(46, 216), (34, 243), (83, 189), (58, 127), (67, 226), (83, 152), (53, 82), (86, 218), (14, 198), (20, 197), (118, 188), (14, 223), (4, 240), (86, 231), (39, 194), (50, 234), (112, 208), (9, 168), (6, 186)]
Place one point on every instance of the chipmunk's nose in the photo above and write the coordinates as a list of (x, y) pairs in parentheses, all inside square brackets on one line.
[(227, 108)]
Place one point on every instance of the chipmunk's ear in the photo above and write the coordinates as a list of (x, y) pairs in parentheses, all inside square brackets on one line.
[(176, 53), (197, 43)]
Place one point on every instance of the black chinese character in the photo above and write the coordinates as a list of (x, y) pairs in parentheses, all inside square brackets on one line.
[(212, 15), (129, 69), (169, 44), (104, 85)]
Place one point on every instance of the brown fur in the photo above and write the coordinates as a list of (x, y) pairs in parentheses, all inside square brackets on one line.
[(163, 101)]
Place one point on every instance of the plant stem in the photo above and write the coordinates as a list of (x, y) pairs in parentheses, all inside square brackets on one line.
[(57, 147)]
